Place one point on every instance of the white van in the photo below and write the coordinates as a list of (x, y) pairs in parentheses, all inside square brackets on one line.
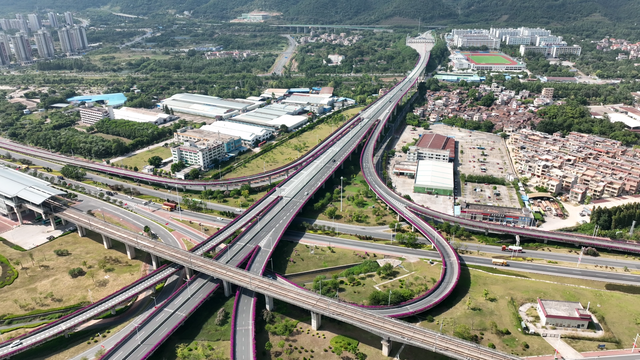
[(16, 343)]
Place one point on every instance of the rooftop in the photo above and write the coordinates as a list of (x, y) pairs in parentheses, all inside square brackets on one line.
[(563, 309), (116, 99), (434, 174), (26, 187), (437, 142)]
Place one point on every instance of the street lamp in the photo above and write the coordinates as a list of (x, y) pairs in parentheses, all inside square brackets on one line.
[(178, 196), (102, 212), (389, 297)]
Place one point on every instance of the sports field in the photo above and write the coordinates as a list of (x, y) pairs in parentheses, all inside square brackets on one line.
[(489, 59)]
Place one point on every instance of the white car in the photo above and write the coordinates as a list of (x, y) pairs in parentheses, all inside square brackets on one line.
[(16, 343)]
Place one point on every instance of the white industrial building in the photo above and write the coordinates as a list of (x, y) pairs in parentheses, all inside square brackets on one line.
[(140, 115), (209, 106), (318, 103), (91, 115), (552, 50), (563, 314), (434, 177), (273, 116), (250, 135)]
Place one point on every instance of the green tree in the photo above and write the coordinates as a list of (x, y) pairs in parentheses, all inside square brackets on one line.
[(155, 161), (331, 212), (73, 172)]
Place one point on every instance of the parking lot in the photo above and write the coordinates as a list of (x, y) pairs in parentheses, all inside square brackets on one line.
[(487, 195)]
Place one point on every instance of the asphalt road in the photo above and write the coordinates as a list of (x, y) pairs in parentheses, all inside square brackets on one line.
[(285, 57)]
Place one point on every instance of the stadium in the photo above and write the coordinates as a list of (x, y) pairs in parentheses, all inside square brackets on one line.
[(485, 60)]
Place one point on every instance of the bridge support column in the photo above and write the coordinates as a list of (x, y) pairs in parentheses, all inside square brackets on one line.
[(545, 241), (154, 261), (269, 301), (189, 273), (269, 180), (113, 310), (52, 219), (386, 347), (131, 251), (316, 320), (64, 222), (227, 288), (81, 231), (107, 242), (19, 214)]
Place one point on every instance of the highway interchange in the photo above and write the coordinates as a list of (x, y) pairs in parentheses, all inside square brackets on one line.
[(294, 193)]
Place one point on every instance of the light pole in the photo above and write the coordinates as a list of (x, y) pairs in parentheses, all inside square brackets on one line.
[(102, 212), (178, 196), (389, 297), (219, 172), (155, 304), (341, 193)]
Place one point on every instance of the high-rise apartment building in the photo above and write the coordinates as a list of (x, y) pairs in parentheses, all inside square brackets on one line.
[(22, 24), (65, 41), (44, 42), (34, 22), (21, 47), (5, 24), (53, 20), (5, 50), (79, 38), (68, 18)]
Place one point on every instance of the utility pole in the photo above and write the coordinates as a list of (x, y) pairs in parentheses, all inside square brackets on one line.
[(341, 193), (178, 196)]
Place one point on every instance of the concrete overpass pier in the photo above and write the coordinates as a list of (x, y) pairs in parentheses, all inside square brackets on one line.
[(107, 242), (131, 251), (154, 261), (189, 273), (227, 288), (52, 220), (316, 320), (386, 347), (269, 301), (81, 231)]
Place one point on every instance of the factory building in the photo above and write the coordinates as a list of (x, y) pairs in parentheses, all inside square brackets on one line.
[(251, 135), (498, 214), (202, 154), (274, 116), (209, 106), (434, 177), (140, 115), (317, 103)]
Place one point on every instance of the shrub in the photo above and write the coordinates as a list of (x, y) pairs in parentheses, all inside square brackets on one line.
[(491, 346), (61, 252), (75, 272)]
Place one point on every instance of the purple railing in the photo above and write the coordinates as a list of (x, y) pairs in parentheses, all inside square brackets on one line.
[(233, 324)]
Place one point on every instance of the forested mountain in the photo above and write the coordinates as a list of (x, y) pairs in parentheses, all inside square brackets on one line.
[(583, 14)]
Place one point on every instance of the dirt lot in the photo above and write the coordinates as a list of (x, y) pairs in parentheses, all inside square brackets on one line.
[(404, 184), (485, 194)]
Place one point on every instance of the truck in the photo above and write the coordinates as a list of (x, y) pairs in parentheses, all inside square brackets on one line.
[(512, 248), (499, 262), (168, 206)]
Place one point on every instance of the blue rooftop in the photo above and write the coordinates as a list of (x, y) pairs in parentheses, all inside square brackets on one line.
[(117, 99), (299, 90)]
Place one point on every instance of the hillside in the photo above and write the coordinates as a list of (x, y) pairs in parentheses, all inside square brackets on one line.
[(589, 15)]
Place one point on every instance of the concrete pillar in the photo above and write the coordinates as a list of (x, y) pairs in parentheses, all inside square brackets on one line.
[(269, 180), (19, 216), (316, 320), (131, 251), (227, 288), (106, 242), (81, 231), (64, 222), (545, 241), (386, 347), (154, 261), (269, 301), (189, 273), (113, 310), (52, 219)]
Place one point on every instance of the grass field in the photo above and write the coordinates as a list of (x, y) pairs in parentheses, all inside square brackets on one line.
[(140, 159), (48, 273), (201, 328), (489, 59), (618, 308), (112, 137), (304, 260), (291, 150), (420, 274)]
